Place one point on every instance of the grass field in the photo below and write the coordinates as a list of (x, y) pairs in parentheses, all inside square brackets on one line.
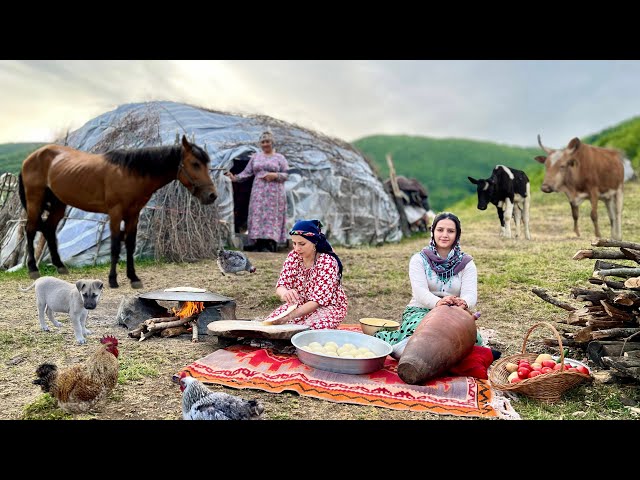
[(376, 283)]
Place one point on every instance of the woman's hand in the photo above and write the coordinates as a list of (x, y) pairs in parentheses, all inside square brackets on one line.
[(231, 176), (271, 176), (448, 300), (291, 297), (452, 301), (286, 319)]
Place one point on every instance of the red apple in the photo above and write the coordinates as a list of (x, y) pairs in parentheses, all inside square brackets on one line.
[(523, 372), (546, 369), (548, 363), (582, 369), (558, 366), (534, 373), (516, 379), (572, 369)]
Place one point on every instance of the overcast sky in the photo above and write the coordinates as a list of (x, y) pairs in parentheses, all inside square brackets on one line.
[(502, 101)]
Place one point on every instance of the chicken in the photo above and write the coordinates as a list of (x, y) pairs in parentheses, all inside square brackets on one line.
[(83, 386), (231, 261), (200, 403)]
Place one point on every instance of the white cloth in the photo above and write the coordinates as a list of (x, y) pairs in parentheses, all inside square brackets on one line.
[(428, 289)]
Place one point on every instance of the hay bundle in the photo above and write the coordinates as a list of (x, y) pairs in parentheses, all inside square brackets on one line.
[(180, 228)]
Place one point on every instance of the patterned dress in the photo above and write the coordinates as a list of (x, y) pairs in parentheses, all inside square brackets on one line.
[(268, 202), (320, 284)]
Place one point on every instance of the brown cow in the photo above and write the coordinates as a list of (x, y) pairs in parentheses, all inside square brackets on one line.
[(583, 171)]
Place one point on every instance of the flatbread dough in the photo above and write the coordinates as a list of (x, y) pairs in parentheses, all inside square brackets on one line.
[(185, 289), (289, 309)]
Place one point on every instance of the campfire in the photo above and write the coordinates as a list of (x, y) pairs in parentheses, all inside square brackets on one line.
[(184, 320)]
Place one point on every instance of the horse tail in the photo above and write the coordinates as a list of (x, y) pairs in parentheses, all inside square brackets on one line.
[(23, 197)]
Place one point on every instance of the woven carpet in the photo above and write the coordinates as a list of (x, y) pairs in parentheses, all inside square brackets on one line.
[(243, 366)]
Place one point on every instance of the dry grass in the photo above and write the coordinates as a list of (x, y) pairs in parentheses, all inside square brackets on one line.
[(377, 285)]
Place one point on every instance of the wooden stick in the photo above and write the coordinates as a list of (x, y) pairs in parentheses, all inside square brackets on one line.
[(581, 317), (553, 342), (174, 331), (604, 265), (618, 272), (602, 242), (616, 312), (608, 283), (584, 335), (591, 295), (614, 333), (605, 322), (175, 323), (194, 333), (629, 338), (622, 299), (146, 335), (156, 320), (608, 254), (631, 254), (542, 293), (633, 282)]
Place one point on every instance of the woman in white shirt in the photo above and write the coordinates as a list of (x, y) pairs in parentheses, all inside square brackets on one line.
[(440, 274)]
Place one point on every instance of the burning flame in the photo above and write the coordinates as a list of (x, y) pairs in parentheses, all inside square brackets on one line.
[(188, 309)]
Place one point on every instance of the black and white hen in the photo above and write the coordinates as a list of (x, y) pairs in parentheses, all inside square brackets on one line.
[(231, 261), (200, 403)]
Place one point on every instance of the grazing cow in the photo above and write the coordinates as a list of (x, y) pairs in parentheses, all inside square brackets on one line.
[(508, 189), (583, 171)]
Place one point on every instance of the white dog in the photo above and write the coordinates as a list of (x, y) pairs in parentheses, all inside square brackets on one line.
[(55, 295)]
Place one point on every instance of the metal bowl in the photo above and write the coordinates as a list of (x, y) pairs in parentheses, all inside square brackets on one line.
[(338, 364)]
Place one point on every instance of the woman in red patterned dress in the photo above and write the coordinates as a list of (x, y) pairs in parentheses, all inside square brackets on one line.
[(311, 279)]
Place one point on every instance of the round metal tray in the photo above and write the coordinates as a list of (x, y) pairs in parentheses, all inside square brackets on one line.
[(356, 366)]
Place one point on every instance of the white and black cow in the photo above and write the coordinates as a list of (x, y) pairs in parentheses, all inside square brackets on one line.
[(508, 189)]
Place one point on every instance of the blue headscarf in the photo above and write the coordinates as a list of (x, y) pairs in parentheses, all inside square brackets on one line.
[(312, 231)]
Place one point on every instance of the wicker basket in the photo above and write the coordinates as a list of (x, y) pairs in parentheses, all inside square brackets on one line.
[(547, 387)]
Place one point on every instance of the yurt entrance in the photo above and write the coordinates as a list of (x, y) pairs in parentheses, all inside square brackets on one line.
[(241, 196)]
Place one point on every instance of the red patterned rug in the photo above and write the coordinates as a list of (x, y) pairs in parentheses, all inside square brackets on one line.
[(243, 366)]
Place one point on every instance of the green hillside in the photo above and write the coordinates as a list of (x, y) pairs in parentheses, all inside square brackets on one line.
[(625, 136), (442, 165), (12, 155)]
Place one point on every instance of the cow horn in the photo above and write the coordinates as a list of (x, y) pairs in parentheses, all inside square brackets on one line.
[(548, 150)]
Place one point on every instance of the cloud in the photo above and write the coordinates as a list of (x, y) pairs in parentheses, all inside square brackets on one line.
[(502, 101)]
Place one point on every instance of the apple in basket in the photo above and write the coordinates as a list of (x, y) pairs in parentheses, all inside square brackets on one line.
[(582, 369), (514, 378)]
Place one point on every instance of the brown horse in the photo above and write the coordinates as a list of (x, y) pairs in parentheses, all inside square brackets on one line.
[(118, 183)]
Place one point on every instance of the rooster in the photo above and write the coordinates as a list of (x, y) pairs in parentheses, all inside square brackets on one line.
[(83, 386), (200, 403), (231, 261)]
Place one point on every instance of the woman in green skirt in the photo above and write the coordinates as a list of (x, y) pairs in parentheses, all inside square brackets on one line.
[(440, 274)]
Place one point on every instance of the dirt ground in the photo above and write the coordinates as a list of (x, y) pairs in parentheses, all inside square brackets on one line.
[(375, 281), (153, 395)]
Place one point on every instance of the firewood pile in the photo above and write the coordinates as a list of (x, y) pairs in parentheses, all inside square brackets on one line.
[(184, 321), (610, 315)]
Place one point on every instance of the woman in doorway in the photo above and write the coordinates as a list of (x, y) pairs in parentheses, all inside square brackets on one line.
[(268, 202)]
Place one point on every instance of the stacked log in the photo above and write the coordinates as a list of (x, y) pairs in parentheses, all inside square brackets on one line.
[(610, 315), (166, 327)]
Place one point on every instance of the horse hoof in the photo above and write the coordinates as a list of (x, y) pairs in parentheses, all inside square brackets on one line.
[(63, 270), (136, 284), (113, 284), (34, 274)]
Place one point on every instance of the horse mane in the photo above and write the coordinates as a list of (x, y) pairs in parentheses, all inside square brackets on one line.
[(153, 161)]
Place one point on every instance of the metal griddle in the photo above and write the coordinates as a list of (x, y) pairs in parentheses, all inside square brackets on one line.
[(186, 296)]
